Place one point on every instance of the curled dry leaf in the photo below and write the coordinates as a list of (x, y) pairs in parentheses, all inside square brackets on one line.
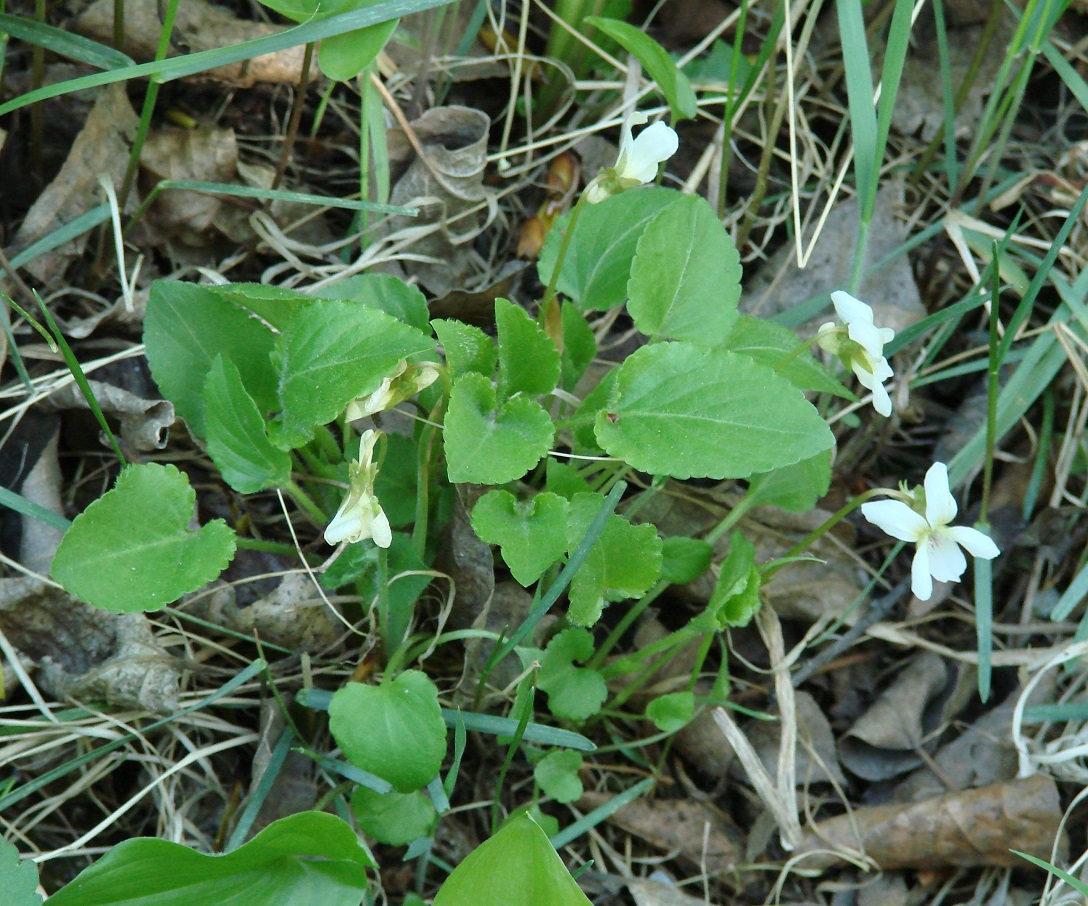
[(144, 423), (685, 826), (974, 828), (204, 27)]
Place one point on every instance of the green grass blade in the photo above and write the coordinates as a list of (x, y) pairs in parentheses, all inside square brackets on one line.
[(29, 508), (84, 223), (587, 822), (1072, 596), (859, 92), (1078, 885), (259, 793), (65, 43), (191, 64)]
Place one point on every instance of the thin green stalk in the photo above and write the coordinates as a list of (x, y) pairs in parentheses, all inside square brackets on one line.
[(550, 315), (306, 503), (523, 703), (731, 98), (148, 109), (119, 24), (763, 173), (626, 622)]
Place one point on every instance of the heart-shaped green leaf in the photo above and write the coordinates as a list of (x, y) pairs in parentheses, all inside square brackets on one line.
[(688, 412), (467, 348), (132, 550), (528, 359), (491, 443), (557, 774), (530, 534), (394, 730), (237, 434), (308, 859), (574, 693), (18, 879), (343, 57), (393, 818)]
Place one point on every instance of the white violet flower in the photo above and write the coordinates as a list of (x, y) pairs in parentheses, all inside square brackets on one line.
[(638, 159), (360, 515), (862, 350), (938, 555), (405, 381)]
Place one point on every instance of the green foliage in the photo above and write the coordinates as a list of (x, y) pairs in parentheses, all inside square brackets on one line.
[(735, 599), (684, 411), (656, 61), (517, 865), (531, 534), (776, 346), (132, 549), (794, 488), (332, 352), (557, 774), (685, 277), (684, 559), (394, 731), (528, 359), (671, 712), (624, 562), (467, 348), (595, 271), (385, 293), (186, 327), (574, 693), (393, 818), (18, 878), (238, 435), (579, 345), (308, 859), (489, 442)]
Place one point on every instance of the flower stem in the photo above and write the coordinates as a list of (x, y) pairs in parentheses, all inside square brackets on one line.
[(306, 503), (549, 308)]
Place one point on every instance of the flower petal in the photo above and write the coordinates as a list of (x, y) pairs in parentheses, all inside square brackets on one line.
[(941, 506), (896, 518), (977, 543), (851, 310), (881, 401), (648, 149), (921, 582), (946, 560), (382, 533)]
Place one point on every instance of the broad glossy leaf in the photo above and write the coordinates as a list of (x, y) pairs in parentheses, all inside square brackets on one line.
[(793, 488), (343, 57), (186, 327), (516, 866), (307, 859), (332, 352), (685, 279), (574, 693), (623, 563), (488, 442), (598, 262), (688, 412), (531, 534), (528, 359), (132, 550), (776, 346), (394, 731), (393, 818), (467, 348), (275, 305), (656, 61), (386, 293), (237, 435)]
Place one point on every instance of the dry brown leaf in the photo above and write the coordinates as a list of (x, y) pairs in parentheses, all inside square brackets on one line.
[(648, 892), (200, 26), (201, 154), (102, 147), (962, 829), (677, 825), (144, 423)]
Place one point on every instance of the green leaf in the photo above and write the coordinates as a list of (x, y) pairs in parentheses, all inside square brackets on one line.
[(582, 424), (531, 534), (517, 865), (685, 279), (776, 346), (393, 818), (18, 878), (343, 57), (688, 412), (624, 562), (598, 261), (394, 730), (793, 488), (674, 85), (58, 41), (332, 352), (557, 774), (579, 346), (237, 434), (132, 550), (671, 712), (735, 599), (574, 693), (185, 328), (684, 559), (385, 293), (467, 348), (308, 859), (528, 359), (564, 480), (403, 591), (491, 443), (275, 305), (397, 480)]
